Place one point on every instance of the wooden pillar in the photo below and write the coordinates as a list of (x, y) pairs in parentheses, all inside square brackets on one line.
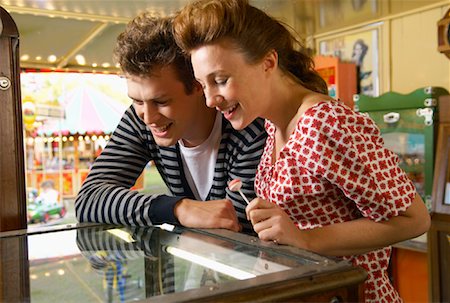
[(14, 270), (12, 167)]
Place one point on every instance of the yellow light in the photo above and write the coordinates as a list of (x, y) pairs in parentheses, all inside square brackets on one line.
[(71, 138), (211, 264), (121, 234), (51, 58)]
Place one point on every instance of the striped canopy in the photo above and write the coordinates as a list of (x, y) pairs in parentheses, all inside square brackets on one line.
[(87, 111)]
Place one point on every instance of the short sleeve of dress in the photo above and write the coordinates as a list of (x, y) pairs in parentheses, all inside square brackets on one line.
[(346, 148)]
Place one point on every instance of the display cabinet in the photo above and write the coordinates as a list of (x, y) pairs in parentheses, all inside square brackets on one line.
[(340, 77), (165, 264), (439, 233), (408, 125)]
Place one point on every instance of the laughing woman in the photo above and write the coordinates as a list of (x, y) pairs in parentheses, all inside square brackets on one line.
[(325, 182)]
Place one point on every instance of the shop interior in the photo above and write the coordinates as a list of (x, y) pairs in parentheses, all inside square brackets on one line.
[(387, 58)]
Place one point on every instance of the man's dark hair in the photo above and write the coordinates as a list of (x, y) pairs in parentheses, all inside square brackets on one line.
[(147, 45)]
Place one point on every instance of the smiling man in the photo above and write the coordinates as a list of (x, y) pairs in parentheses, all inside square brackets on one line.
[(195, 150)]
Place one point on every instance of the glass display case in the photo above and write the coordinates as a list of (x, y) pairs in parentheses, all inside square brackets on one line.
[(408, 126), (168, 264)]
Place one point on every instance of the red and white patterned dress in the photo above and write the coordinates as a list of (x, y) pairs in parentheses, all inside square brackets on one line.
[(333, 169)]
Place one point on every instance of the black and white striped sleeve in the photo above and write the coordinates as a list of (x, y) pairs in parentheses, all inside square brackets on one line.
[(106, 195)]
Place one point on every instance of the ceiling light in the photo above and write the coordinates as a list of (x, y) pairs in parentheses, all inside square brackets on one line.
[(81, 60), (51, 58), (24, 57)]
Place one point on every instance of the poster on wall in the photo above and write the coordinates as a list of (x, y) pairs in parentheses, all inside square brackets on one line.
[(360, 47)]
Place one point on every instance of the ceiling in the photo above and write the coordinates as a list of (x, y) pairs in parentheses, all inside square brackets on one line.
[(79, 35)]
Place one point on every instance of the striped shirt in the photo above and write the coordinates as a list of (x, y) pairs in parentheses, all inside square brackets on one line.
[(106, 197)]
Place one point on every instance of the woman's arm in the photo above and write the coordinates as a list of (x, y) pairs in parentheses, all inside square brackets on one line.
[(348, 238)]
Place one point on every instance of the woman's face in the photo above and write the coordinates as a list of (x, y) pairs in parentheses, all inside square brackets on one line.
[(230, 84)]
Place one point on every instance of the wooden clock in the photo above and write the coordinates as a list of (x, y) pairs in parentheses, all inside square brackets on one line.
[(444, 34)]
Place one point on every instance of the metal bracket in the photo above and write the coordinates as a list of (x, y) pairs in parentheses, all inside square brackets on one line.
[(430, 102), (427, 113), (391, 118), (5, 83)]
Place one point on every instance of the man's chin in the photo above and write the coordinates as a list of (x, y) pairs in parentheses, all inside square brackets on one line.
[(165, 142)]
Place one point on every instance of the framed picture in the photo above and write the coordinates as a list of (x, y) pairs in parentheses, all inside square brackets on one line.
[(360, 47)]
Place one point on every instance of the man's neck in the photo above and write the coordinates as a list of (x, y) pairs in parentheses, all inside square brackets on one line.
[(202, 128)]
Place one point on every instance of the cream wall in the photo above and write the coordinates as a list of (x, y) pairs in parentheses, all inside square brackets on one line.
[(415, 60), (408, 56)]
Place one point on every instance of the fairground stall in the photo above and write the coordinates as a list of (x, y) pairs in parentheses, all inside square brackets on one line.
[(69, 118)]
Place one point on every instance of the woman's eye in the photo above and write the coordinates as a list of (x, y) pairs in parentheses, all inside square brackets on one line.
[(221, 81)]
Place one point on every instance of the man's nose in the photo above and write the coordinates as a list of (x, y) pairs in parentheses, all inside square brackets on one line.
[(149, 114)]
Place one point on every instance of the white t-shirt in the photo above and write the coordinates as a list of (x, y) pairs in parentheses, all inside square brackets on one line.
[(199, 161)]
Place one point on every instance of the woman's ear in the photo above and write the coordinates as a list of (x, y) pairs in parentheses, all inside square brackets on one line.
[(270, 62), (198, 87)]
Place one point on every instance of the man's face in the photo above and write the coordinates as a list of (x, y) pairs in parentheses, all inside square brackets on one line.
[(161, 101)]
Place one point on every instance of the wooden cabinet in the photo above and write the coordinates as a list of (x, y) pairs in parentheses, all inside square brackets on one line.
[(439, 234), (340, 77), (439, 257), (12, 167)]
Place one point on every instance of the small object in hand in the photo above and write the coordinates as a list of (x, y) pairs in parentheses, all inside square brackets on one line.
[(275, 241), (236, 185)]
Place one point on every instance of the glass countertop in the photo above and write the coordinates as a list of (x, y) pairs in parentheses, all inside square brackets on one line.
[(121, 264)]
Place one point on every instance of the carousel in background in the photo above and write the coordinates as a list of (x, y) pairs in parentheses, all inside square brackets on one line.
[(68, 119)]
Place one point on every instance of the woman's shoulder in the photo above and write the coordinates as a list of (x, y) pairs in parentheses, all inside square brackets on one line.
[(328, 115)]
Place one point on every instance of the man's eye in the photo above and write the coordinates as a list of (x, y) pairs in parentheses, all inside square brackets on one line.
[(161, 102), (137, 102)]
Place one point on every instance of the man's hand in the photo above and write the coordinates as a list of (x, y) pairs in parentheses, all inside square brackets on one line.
[(207, 214)]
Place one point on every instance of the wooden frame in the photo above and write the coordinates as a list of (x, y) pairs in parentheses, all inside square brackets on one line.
[(439, 233), (12, 166), (442, 164)]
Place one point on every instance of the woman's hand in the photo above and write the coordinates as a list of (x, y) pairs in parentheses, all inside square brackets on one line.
[(272, 223)]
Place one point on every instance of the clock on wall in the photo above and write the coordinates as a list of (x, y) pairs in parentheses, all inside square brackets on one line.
[(444, 34)]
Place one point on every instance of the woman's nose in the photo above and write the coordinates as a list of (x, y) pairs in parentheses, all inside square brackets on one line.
[(213, 100)]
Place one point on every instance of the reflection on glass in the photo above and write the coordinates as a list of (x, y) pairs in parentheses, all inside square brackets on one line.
[(447, 180), (106, 264), (410, 147)]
